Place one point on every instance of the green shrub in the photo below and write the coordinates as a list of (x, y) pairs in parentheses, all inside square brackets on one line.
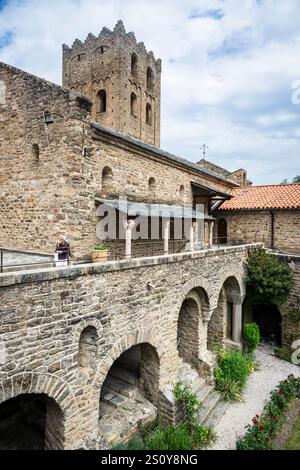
[(295, 315), (170, 438), (251, 336), (232, 365), (268, 279), (133, 444), (264, 427), (190, 402), (229, 389), (203, 437)]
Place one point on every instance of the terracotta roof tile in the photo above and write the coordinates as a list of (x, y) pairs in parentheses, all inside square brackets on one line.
[(283, 196)]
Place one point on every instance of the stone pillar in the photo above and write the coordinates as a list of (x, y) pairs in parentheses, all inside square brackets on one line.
[(211, 231), (166, 236), (128, 225), (196, 229), (191, 237), (237, 323)]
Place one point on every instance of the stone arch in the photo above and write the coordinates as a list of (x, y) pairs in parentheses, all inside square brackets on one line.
[(79, 327), (151, 184), (192, 327), (148, 114), (61, 405), (200, 283), (150, 79), (133, 338), (107, 178), (38, 383), (134, 64), (133, 104), (102, 101), (226, 310)]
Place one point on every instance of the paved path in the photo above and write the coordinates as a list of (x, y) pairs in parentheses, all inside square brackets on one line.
[(260, 384)]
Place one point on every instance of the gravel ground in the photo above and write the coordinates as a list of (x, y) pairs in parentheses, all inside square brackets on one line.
[(260, 384)]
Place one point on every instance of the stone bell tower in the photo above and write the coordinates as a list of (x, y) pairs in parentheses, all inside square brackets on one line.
[(122, 80)]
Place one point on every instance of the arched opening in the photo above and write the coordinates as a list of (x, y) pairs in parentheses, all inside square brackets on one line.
[(133, 104), (225, 325), (181, 193), (107, 178), (36, 153), (191, 330), (151, 184), (101, 101), (134, 62), (187, 332), (150, 79), (222, 231), (130, 393), (269, 320), (31, 422), (87, 351), (148, 114)]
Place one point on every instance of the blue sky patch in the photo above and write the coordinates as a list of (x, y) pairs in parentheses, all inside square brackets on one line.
[(214, 14), (6, 39)]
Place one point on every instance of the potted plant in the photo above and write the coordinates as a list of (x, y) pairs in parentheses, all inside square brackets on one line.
[(99, 254)]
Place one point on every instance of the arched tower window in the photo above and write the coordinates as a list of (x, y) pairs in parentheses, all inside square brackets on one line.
[(151, 184), (133, 104), (107, 177), (36, 153), (150, 79), (134, 61), (102, 101), (148, 114), (181, 193)]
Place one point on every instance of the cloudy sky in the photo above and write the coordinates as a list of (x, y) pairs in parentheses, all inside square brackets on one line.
[(229, 67)]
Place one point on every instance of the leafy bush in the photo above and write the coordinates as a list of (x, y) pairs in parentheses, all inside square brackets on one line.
[(251, 336), (268, 279), (264, 427), (170, 438), (190, 401), (203, 437), (229, 389), (295, 315), (232, 365), (133, 444)]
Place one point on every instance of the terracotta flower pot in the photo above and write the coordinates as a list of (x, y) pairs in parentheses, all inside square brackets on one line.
[(99, 256)]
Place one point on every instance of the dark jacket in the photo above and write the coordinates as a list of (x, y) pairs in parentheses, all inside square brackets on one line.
[(65, 249)]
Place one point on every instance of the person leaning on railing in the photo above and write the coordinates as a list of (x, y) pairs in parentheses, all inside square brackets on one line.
[(62, 252)]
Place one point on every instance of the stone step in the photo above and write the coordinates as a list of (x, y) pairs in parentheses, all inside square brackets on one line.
[(112, 398), (116, 385), (208, 405), (203, 391), (214, 417), (123, 374)]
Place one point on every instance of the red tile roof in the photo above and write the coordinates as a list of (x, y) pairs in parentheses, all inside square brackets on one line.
[(283, 196)]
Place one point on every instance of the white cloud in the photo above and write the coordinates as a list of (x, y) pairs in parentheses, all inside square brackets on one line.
[(227, 77)]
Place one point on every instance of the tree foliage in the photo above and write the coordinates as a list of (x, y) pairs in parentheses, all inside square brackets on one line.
[(269, 279)]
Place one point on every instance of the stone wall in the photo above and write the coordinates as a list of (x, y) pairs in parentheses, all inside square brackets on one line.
[(51, 173), (103, 63), (256, 226), (128, 302), (290, 326)]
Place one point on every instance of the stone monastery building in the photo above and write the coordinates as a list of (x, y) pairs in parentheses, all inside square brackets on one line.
[(90, 350)]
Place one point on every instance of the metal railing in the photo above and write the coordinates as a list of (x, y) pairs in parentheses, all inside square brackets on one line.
[(20, 265)]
